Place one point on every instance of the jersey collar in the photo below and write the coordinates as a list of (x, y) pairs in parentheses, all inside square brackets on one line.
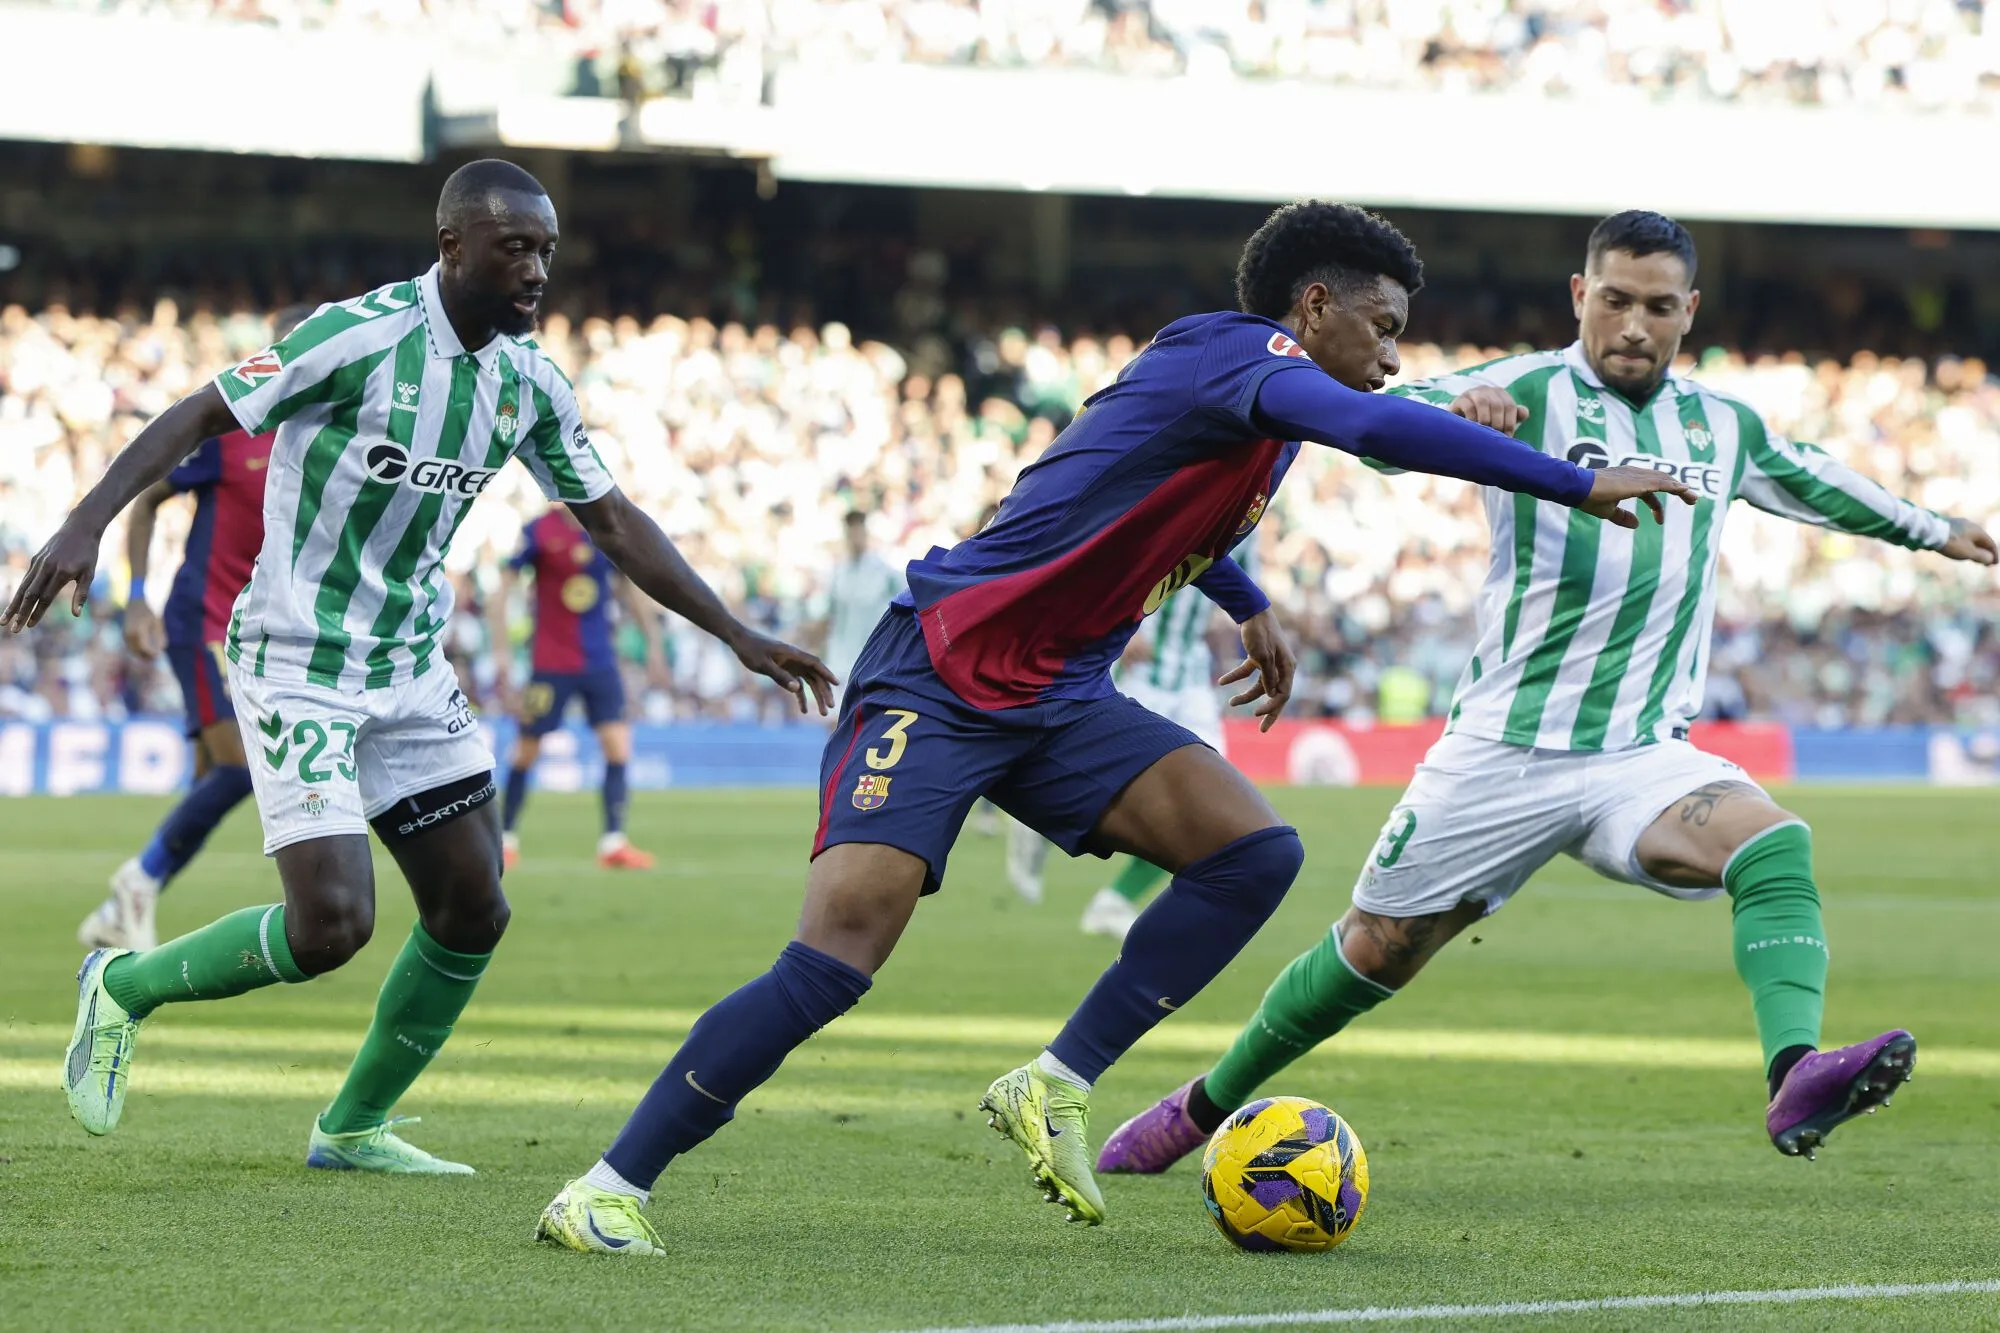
[(444, 340), (1579, 364)]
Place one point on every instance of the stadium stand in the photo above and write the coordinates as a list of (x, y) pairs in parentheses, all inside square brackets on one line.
[(1920, 53), (749, 443)]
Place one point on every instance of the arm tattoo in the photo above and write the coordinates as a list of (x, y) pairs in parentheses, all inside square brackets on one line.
[(1698, 806)]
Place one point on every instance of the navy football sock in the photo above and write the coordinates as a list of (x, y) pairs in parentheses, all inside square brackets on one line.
[(515, 797), (614, 798), (1179, 944), (188, 825), (734, 1047)]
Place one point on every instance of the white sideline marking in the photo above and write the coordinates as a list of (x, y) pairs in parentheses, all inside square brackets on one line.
[(1407, 1314)]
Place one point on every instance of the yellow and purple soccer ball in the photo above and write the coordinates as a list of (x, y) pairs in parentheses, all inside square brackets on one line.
[(1284, 1173)]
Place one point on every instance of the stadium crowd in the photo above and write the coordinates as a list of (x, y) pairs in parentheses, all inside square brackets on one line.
[(750, 444), (1922, 53)]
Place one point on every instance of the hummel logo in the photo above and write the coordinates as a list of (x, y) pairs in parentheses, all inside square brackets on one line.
[(704, 1091), (274, 727), (406, 393)]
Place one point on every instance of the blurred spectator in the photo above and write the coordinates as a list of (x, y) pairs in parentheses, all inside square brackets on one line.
[(1920, 53), (751, 444)]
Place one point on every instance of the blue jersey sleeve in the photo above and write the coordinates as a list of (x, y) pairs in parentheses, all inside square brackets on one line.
[(201, 468), (1414, 435), (1240, 353), (525, 557), (1227, 585)]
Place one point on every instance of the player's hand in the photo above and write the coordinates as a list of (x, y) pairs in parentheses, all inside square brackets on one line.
[(1138, 652), (1267, 656), (143, 634), (658, 676), (1489, 405), (1969, 541), (794, 669), (1611, 486), (69, 560)]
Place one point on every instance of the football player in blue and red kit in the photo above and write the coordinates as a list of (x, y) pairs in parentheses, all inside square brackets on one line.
[(571, 656), (992, 675), (225, 475)]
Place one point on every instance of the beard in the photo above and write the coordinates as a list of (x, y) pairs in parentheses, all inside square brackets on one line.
[(512, 322)]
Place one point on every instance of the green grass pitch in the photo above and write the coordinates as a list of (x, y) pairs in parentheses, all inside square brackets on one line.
[(1566, 1106)]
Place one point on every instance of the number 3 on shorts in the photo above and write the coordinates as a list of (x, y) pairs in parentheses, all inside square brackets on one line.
[(895, 740), (1395, 837)]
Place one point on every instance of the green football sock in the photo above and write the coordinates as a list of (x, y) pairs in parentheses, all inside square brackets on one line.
[(1136, 879), (243, 951), (1780, 942), (1316, 996), (426, 991)]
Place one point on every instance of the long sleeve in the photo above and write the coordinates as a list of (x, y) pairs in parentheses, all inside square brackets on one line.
[(1802, 482), (1413, 435), (1230, 587)]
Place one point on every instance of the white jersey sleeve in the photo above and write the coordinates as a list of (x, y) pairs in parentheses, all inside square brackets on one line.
[(557, 448), (326, 359), (1802, 482)]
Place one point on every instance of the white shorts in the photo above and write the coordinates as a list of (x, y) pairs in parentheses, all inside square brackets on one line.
[(325, 762), (1195, 708), (1480, 817)]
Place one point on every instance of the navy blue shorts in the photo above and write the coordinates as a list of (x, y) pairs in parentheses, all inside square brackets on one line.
[(549, 693), (204, 684), (908, 757)]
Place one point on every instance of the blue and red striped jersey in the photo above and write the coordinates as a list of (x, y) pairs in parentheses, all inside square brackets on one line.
[(572, 594), (226, 475), (1153, 482)]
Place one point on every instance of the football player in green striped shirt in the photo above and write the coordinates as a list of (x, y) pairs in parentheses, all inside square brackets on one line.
[(1569, 732), (392, 411)]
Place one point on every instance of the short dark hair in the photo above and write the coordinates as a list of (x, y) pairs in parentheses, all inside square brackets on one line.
[(1638, 232), (855, 516), (1314, 241), (468, 188)]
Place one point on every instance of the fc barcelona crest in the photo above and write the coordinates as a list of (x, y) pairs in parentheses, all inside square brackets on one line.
[(872, 792), (1255, 512)]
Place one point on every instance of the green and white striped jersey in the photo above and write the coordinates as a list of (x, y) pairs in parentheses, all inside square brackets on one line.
[(387, 431), (1177, 633), (1593, 637)]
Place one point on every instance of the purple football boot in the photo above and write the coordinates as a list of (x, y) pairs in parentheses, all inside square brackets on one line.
[(1830, 1088), (1154, 1139)]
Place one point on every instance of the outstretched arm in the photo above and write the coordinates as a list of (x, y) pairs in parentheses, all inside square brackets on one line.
[(635, 544), (1408, 434), (70, 558), (1799, 481)]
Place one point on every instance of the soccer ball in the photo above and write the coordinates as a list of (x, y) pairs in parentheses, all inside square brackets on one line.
[(1284, 1173)]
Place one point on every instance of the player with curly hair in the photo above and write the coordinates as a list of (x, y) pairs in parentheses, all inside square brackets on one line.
[(1569, 730), (991, 676)]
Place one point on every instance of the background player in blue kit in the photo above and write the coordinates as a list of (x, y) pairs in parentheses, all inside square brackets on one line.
[(991, 675), (225, 475), (571, 654)]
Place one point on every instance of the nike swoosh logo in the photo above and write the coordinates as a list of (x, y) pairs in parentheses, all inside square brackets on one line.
[(1168, 1005), (704, 1091), (1050, 1126), (611, 1241)]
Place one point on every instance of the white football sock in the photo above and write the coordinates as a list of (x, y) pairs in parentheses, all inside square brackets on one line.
[(1054, 1068), (605, 1178)]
